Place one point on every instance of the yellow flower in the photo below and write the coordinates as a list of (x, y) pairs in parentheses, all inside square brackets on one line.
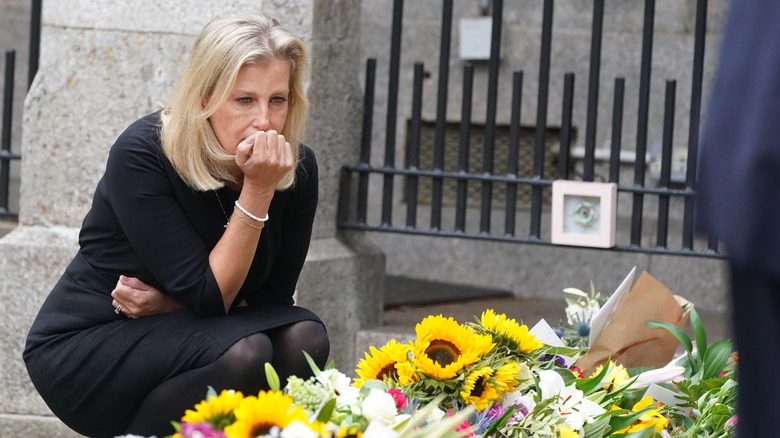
[(257, 415), (382, 364), (347, 432), (616, 377), (508, 332), (478, 390), (565, 432), (218, 411), (406, 373), (506, 377), (443, 347), (652, 418)]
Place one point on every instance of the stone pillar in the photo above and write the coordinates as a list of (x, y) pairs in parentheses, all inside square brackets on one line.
[(102, 66)]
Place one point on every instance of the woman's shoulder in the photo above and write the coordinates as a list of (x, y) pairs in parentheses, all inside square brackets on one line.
[(140, 141), (307, 163), (144, 131), (307, 157)]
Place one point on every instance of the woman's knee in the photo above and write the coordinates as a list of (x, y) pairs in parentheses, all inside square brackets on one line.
[(309, 336), (249, 354)]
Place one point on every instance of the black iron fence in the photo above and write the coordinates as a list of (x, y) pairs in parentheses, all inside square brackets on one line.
[(359, 210), (6, 154)]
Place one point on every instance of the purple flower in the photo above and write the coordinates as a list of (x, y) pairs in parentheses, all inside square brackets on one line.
[(522, 409), (495, 412), (553, 357)]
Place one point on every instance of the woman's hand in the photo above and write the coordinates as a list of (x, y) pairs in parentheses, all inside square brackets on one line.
[(139, 299), (265, 158)]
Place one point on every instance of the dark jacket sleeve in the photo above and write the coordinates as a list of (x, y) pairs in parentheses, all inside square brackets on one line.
[(140, 193)]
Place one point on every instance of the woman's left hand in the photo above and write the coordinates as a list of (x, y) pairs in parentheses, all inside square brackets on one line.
[(138, 299)]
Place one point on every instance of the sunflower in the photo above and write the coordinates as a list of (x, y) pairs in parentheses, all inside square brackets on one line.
[(216, 410), (508, 332), (443, 347), (478, 389), (382, 364), (506, 377), (257, 415), (347, 432)]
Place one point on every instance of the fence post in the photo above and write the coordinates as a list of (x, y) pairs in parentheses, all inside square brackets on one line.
[(5, 145)]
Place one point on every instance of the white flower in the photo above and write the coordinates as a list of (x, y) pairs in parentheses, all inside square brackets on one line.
[(376, 429), (379, 406), (435, 414), (334, 379), (570, 403), (518, 398), (668, 373), (337, 382), (297, 429), (581, 309)]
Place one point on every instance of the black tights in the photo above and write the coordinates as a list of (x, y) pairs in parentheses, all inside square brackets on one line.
[(241, 367)]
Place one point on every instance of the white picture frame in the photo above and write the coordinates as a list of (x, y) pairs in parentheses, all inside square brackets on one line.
[(584, 213)]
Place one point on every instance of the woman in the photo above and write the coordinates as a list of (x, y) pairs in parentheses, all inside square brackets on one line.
[(191, 251)]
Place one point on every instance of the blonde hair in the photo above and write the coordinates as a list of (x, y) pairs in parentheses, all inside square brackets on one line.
[(219, 52)]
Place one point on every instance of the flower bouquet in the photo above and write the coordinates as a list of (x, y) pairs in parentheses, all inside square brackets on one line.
[(491, 378)]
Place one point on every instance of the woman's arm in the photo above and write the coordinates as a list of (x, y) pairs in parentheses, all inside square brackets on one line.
[(143, 198), (264, 158)]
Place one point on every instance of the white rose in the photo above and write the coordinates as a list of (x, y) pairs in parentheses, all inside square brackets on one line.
[(379, 406)]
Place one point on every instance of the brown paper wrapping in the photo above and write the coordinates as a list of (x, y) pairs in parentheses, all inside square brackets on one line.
[(627, 340)]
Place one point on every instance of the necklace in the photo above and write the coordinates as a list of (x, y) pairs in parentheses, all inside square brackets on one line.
[(222, 209)]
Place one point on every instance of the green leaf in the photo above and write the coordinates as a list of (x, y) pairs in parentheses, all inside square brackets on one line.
[(698, 332), (272, 377), (620, 422), (677, 332), (493, 429), (716, 358), (314, 368), (598, 428), (368, 385), (647, 432), (591, 383), (559, 351), (326, 410)]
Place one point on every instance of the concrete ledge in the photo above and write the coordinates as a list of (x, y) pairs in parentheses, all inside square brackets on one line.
[(376, 337), (343, 282), (31, 426), (31, 261)]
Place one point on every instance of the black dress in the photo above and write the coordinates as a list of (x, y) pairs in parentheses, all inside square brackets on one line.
[(94, 367)]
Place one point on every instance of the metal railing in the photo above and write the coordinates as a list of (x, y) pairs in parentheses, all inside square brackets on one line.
[(6, 154), (355, 206)]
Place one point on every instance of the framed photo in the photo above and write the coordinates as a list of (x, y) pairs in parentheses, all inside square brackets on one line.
[(583, 213)]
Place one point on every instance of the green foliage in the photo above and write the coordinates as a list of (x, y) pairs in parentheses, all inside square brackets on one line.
[(704, 362), (272, 377)]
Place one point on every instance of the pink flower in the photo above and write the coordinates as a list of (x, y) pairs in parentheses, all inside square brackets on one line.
[(732, 422), (464, 426), (200, 430), (399, 397)]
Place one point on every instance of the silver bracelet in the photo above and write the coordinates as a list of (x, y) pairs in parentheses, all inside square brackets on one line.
[(259, 219), (262, 224)]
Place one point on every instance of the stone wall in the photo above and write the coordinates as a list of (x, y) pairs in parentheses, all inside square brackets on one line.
[(104, 65)]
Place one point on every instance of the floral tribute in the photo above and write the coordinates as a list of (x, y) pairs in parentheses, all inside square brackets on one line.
[(491, 378)]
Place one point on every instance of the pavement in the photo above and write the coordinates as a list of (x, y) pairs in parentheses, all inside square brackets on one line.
[(408, 301)]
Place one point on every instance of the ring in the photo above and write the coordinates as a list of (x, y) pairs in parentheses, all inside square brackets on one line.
[(118, 309)]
